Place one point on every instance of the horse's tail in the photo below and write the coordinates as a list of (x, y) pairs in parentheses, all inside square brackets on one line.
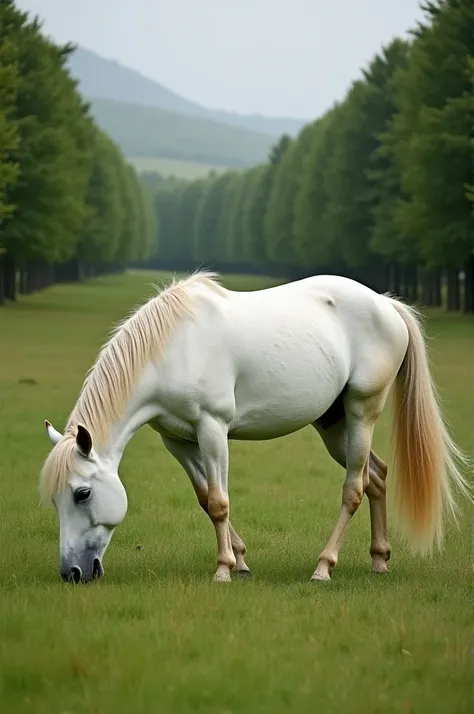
[(427, 462)]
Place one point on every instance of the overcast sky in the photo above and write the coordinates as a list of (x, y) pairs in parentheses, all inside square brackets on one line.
[(275, 57)]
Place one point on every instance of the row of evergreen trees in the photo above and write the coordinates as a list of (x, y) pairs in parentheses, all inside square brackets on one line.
[(69, 203), (379, 188)]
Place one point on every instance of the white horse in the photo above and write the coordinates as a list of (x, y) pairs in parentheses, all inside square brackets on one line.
[(201, 364)]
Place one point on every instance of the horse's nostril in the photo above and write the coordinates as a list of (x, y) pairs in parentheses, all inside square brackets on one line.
[(97, 569), (75, 574)]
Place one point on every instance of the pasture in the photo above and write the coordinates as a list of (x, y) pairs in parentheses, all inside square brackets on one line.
[(155, 635)]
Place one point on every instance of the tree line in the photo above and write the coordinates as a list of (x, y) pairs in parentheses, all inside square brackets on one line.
[(380, 188), (70, 205)]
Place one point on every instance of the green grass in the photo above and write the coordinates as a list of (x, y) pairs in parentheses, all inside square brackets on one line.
[(174, 167), (156, 635)]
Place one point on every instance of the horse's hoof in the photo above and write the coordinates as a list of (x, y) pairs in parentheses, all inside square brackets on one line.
[(243, 574), (320, 578), (379, 566), (380, 569), (222, 577)]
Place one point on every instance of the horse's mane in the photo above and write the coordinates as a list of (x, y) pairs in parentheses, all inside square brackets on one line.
[(110, 380)]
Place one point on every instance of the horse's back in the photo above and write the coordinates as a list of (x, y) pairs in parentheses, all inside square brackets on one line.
[(272, 361)]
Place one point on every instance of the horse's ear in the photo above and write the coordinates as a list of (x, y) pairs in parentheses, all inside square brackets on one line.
[(83, 441), (54, 435)]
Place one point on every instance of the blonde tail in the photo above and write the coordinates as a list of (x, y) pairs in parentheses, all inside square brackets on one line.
[(427, 462)]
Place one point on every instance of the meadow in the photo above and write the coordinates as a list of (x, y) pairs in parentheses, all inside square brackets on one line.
[(156, 635)]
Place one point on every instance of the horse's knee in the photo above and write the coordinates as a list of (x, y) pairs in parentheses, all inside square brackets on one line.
[(203, 502), (217, 505), (352, 496)]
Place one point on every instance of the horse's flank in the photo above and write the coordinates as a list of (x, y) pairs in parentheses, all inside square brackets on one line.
[(110, 381)]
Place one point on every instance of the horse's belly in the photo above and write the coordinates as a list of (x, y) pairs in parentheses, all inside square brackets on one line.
[(254, 429), (281, 395)]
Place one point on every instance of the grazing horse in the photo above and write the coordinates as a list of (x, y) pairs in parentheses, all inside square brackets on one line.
[(202, 364)]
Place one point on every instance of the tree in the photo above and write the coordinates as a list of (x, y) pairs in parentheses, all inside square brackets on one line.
[(209, 242), (314, 241), (365, 115), (432, 134), (102, 227), (280, 215), (130, 238), (187, 209), (236, 233), (51, 154), (167, 201), (9, 138)]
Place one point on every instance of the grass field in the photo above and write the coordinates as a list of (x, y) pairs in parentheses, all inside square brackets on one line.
[(155, 635), (174, 167)]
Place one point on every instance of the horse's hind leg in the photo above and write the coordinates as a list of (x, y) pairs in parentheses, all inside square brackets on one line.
[(334, 436), (376, 492), (361, 414), (189, 456)]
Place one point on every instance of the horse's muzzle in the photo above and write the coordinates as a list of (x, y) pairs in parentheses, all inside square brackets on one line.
[(76, 575)]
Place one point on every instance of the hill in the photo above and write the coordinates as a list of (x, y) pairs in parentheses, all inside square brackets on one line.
[(106, 79), (149, 132)]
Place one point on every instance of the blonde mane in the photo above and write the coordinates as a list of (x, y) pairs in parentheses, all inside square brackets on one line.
[(109, 382)]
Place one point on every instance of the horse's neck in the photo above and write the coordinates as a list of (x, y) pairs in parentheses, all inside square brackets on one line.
[(139, 411)]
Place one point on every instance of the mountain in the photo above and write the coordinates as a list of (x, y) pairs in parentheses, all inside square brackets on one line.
[(148, 132), (106, 79)]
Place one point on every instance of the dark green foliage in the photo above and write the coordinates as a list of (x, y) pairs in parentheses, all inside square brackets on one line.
[(66, 193), (102, 228), (280, 214), (167, 206), (236, 237), (378, 187), (314, 244), (53, 162), (9, 138), (432, 136), (209, 242), (259, 183)]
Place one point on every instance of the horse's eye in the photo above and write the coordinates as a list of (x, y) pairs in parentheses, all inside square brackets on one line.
[(81, 495)]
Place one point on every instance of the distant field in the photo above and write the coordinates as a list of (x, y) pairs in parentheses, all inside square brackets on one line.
[(174, 167), (156, 636)]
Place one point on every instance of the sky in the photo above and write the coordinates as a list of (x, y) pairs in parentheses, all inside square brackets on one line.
[(273, 57)]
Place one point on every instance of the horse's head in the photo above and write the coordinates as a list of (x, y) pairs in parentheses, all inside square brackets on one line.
[(90, 501)]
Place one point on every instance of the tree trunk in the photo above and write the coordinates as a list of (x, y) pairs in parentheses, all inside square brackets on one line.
[(394, 283), (2, 282), (454, 288), (23, 282), (426, 289), (9, 277), (412, 292), (68, 272), (469, 285), (435, 288)]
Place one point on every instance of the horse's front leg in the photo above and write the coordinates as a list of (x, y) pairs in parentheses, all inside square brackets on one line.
[(212, 439), (189, 456)]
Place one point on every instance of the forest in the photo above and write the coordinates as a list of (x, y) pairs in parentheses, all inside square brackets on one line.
[(70, 205), (380, 188)]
